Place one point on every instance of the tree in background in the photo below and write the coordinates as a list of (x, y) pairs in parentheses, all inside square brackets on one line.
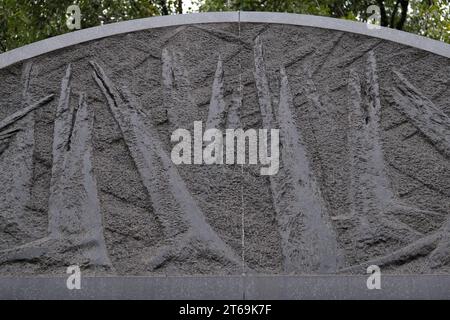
[(26, 21), (429, 18)]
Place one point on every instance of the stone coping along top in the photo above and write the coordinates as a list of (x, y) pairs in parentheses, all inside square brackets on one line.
[(72, 38)]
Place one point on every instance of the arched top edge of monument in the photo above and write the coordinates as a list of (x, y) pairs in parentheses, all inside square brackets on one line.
[(72, 38)]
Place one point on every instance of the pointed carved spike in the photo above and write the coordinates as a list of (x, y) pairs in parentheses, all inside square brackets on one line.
[(177, 88), (23, 112), (432, 122), (373, 87), (63, 124), (217, 103), (311, 92), (369, 180), (158, 172), (316, 248), (26, 79), (61, 135), (75, 210), (167, 69), (233, 116), (262, 85), (370, 190), (17, 162), (354, 136)]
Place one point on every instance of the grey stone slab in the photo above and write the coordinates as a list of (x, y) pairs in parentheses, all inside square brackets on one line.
[(123, 288), (364, 176), (229, 288), (348, 287), (390, 34), (73, 38)]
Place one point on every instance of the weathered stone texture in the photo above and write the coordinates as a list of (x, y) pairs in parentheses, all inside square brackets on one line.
[(86, 176)]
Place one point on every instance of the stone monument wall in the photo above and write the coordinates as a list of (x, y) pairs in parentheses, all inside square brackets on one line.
[(86, 176)]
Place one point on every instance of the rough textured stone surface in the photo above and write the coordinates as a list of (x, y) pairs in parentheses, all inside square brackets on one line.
[(86, 176)]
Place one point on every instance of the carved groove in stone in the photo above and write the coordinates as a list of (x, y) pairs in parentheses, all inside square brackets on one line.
[(217, 103), (234, 111), (218, 113), (184, 223), (74, 206), (371, 181), (422, 113), (262, 85), (23, 112), (176, 87), (17, 161), (74, 209), (373, 202), (418, 248), (296, 195)]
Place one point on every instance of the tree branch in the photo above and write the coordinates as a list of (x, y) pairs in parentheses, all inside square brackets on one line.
[(394, 13), (164, 8), (404, 4), (384, 19), (2, 47), (179, 6)]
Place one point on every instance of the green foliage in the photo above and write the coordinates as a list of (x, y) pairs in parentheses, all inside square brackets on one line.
[(26, 21), (307, 6), (429, 18)]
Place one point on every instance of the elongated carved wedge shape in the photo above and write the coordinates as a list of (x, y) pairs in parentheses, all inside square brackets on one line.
[(183, 220), (75, 221), (177, 87), (74, 207), (23, 112), (373, 201), (370, 190), (217, 103), (422, 113), (17, 161), (308, 240)]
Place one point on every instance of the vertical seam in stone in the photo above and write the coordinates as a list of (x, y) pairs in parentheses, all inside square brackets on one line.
[(149, 155), (242, 166)]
